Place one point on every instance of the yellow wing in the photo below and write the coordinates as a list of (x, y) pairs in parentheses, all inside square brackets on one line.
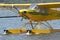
[(48, 5)]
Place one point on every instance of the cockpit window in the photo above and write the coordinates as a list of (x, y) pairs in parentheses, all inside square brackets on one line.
[(33, 6)]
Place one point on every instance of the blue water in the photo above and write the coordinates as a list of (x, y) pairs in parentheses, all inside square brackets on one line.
[(53, 36)]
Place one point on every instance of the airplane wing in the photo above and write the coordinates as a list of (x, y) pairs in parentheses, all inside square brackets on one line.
[(32, 6), (48, 5)]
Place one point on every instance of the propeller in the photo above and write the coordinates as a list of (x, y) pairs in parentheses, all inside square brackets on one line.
[(23, 14), (9, 16), (16, 9)]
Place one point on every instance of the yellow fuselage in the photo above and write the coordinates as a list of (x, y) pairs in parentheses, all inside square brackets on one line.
[(38, 16)]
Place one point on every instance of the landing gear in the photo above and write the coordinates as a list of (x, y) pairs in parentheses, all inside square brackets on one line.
[(38, 24), (48, 25), (33, 31), (38, 30), (31, 24)]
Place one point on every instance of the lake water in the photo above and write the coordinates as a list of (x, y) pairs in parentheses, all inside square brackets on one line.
[(53, 36)]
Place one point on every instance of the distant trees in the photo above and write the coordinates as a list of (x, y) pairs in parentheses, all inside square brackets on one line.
[(27, 1), (1, 1)]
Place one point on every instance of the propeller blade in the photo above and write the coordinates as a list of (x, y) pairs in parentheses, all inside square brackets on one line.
[(9, 16), (16, 9), (21, 19), (26, 16)]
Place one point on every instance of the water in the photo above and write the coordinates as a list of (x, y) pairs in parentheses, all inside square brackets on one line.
[(53, 36)]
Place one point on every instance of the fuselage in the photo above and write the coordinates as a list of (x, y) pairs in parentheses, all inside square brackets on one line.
[(34, 15)]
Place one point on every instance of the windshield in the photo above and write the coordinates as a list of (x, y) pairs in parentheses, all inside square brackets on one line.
[(33, 6)]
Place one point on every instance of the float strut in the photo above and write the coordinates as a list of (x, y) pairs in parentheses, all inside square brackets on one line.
[(31, 24)]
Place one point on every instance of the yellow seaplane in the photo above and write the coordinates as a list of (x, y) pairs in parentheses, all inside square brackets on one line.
[(37, 13)]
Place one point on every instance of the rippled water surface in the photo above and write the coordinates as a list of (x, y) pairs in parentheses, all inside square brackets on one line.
[(53, 36)]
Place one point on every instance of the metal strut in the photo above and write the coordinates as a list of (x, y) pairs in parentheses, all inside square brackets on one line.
[(31, 24), (39, 23), (48, 25)]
